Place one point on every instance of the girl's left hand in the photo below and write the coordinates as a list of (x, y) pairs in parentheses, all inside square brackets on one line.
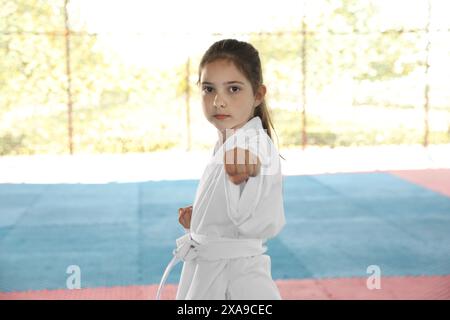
[(239, 172), (184, 217)]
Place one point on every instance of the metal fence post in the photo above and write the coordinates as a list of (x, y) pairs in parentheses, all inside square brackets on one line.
[(304, 44), (69, 78), (427, 82), (188, 107)]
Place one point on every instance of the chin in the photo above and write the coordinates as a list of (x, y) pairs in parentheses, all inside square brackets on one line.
[(219, 126)]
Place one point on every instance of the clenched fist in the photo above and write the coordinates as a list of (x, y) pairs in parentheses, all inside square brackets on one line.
[(184, 217), (240, 171)]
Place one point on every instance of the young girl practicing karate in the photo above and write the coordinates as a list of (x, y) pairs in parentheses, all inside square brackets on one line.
[(238, 204)]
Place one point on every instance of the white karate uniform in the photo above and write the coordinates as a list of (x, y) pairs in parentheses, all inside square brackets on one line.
[(251, 210)]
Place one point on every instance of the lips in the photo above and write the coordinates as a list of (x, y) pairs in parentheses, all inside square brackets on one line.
[(221, 116)]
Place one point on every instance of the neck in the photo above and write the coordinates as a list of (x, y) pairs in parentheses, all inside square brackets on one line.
[(223, 133)]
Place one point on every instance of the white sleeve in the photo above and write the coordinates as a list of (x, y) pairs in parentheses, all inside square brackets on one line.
[(242, 206), (258, 210)]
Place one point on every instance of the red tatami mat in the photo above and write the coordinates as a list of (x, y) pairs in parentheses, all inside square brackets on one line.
[(435, 179), (424, 287)]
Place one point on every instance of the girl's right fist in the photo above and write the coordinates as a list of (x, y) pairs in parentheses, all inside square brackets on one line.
[(240, 164), (184, 217)]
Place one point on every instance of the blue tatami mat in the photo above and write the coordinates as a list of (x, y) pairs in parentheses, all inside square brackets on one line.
[(124, 233)]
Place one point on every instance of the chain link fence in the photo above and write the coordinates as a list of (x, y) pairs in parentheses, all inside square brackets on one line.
[(342, 73)]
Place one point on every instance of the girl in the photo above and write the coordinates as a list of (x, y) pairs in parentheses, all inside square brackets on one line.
[(238, 203)]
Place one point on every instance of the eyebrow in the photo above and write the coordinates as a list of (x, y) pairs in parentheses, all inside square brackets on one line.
[(228, 82)]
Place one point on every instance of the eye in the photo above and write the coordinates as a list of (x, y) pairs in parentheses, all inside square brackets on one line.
[(235, 89), (207, 89)]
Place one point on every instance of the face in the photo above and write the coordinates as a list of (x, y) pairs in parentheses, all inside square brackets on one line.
[(228, 99)]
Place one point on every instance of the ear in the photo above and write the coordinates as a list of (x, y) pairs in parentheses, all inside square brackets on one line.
[(260, 94)]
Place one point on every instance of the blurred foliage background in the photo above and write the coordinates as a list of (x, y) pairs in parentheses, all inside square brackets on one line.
[(339, 73)]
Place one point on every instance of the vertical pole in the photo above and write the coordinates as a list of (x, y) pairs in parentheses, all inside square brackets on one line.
[(427, 82), (188, 96), (304, 102), (69, 78)]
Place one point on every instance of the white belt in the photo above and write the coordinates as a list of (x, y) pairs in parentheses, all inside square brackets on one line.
[(196, 246)]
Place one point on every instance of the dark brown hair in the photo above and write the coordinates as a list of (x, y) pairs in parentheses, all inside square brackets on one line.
[(246, 58)]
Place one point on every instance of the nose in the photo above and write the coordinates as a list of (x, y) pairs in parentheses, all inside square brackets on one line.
[(218, 101)]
